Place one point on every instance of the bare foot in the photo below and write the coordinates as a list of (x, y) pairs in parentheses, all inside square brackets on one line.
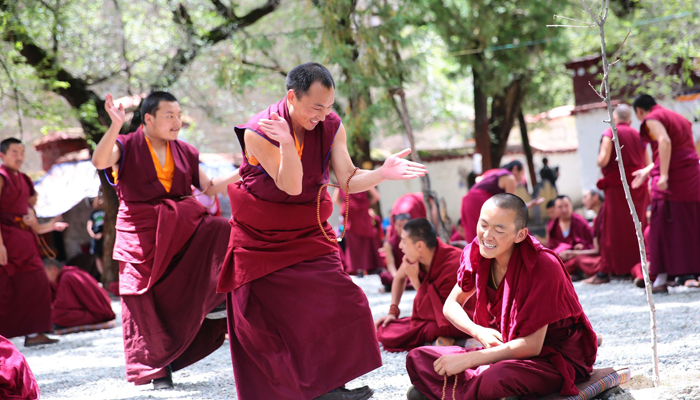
[(444, 341), (600, 340)]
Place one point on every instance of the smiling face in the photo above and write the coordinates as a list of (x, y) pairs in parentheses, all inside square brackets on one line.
[(13, 158), (313, 107), (497, 232), (166, 122)]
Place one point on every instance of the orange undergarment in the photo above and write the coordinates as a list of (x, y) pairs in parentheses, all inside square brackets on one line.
[(254, 161), (165, 173)]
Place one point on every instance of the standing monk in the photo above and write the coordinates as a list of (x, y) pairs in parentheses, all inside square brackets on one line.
[(361, 240), (618, 246), (438, 262), (503, 180), (674, 236), (298, 326), (25, 292), (169, 248), (536, 338)]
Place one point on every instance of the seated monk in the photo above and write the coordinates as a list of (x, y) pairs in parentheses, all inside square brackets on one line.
[(589, 262), (392, 250), (569, 231), (16, 379), (423, 252), (77, 298), (536, 338)]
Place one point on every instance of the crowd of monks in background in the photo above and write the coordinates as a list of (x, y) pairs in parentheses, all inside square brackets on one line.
[(165, 331)]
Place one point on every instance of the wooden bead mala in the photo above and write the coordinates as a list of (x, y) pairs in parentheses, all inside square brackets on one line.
[(347, 207), (454, 389)]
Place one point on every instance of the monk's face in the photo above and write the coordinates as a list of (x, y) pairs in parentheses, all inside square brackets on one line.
[(166, 122), (551, 213), (589, 199), (410, 248), (641, 113), (518, 174), (496, 231), (399, 224), (13, 158), (564, 208), (313, 107)]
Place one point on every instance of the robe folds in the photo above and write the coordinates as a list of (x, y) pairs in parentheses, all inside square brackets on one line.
[(674, 237), (618, 239), (79, 300), (427, 322), (170, 251), (17, 381), (25, 291), (298, 326), (589, 264), (579, 233), (476, 197), (361, 239), (637, 272), (522, 304)]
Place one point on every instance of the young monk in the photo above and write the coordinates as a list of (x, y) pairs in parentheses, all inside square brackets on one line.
[(438, 262), (588, 261), (536, 338), (503, 180), (17, 381), (361, 244), (569, 231), (674, 236), (25, 292), (169, 248), (77, 298), (298, 326), (618, 247)]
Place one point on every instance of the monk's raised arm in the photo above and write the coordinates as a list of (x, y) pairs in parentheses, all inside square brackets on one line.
[(605, 151), (658, 133), (282, 164), (107, 153)]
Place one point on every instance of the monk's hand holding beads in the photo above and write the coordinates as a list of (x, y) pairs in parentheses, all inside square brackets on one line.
[(453, 364), (488, 337)]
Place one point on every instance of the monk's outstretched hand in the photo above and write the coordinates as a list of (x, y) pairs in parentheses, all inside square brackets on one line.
[(489, 337), (453, 364), (117, 114), (640, 176), (277, 129), (397, 168)]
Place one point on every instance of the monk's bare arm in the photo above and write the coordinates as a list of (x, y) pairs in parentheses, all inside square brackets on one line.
[(508, 183), (454, 310), (390, 262), (107, 153), (398, 286), (658, 132), (606, 146), (282, 164), (216, 185)]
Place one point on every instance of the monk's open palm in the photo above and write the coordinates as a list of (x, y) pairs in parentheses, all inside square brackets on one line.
[(397, 168), (117, 114)]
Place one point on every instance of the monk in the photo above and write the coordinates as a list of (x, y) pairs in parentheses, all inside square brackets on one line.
[(536, 338), (17, 381), (457, 234), (503, 180), (569, 231), (674, 236), (588, 262), (299, 327), (25, 292), (423, 252), (169, 248), (618, 245), (77, 298), (361, 243)]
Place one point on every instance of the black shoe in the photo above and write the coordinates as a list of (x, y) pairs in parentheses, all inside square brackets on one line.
[(639, 282), (165, 382), (414, 394), (219, 312), (362, 393)]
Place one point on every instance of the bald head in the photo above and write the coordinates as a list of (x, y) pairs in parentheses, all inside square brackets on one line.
[(623, 113), (513, 203)]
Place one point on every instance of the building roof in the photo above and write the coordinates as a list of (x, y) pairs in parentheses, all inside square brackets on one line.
[(59, 136)]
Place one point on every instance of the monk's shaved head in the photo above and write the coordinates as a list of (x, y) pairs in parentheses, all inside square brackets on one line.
[(623, 112), (420, 229), (514, 203)]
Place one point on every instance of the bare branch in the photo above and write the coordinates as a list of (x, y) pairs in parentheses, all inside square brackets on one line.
[(588, 10), (571, 26), (262, 66), (224, 10), (571, 19), (615, 56), (596, 92)]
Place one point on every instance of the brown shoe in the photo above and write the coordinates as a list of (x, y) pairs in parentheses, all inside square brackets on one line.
[(38, 340), (414, 394), (639, 282), (660, 289), (597, 280)]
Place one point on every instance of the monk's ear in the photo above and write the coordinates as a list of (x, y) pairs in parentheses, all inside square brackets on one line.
[(521, 235), (291, 96)]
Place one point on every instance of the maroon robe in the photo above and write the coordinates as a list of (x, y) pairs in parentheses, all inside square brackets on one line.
[(618, 239), (298, 326), (412, 204), (361, 239), (456, 236), (16, 379), (521, 305), (674, 237), (589, 264), (170, 251), (476, 197), (637, 272), (427, 322), (579, 233), (79, 300), (25, 291)]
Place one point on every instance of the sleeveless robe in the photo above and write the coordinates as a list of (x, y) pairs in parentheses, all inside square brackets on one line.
[(298, 326), (25, 291), (170, 251), (476, 197)]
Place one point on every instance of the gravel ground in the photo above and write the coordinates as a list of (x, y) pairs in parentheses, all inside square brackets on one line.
[(90, 365)]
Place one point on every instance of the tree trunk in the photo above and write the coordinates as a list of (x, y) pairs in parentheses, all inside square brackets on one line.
[(481, 126), (527, 149), (504, 112)]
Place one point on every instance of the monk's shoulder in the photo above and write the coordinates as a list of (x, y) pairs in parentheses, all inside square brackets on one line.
[(547, 264), (188, 148), (333, 122)]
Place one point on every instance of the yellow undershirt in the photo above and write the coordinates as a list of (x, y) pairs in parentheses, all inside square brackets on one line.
[(254, 161), (165, 173)]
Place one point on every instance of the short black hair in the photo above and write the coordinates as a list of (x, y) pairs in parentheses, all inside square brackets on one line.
[(545, 161), (508, 201), (513, 164), (301, 77), (644, 101), (151, 103), (420, 229), (550, 204), (561, 197), (5, 144)]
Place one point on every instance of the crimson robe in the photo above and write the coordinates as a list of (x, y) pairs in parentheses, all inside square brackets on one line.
[(16, 379), (589, 264), (79, 300), (170, 251), (298, 326), (637, 272), (476, 197), (618, 239), (674, 237), (25, 291), (361, 239), (427, 322), (579, 233), (522, 304)]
